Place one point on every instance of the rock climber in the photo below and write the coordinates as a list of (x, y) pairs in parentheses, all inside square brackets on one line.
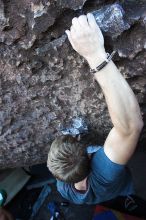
[(96, 174)]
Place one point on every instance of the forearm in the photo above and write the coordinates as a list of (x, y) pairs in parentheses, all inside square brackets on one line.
[(122, 104)]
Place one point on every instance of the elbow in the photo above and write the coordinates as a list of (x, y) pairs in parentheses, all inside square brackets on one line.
[(140, 125), (137, 126)]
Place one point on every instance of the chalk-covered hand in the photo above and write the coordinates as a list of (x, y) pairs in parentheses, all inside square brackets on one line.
[(86, 38)]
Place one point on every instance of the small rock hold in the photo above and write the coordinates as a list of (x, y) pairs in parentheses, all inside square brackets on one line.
[(38, 10), (111, 20)]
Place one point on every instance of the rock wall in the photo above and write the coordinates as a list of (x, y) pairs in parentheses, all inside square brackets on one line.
[(46, 88)]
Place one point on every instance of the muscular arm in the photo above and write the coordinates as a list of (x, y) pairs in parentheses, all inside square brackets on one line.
[(86, 38), (124, 112)]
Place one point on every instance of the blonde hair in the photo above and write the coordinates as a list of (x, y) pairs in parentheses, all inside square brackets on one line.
[(68, 160)]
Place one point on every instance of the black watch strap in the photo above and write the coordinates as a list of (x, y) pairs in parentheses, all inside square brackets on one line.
[(104, 63)]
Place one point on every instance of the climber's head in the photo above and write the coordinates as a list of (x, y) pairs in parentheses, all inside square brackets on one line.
[(68, 160)]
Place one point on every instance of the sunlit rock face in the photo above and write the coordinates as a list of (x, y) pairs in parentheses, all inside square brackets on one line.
[(45, 86)]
